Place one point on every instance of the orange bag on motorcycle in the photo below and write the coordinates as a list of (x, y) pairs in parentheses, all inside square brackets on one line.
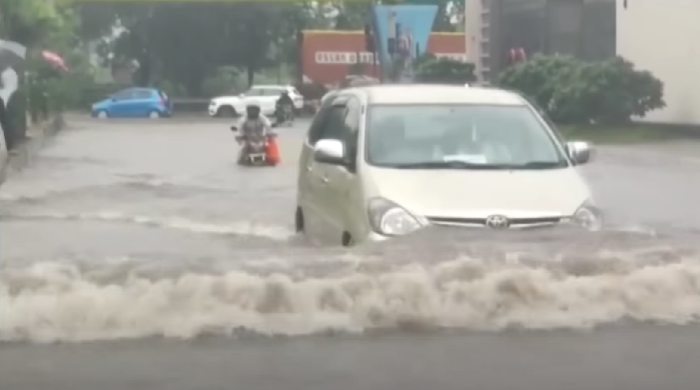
[(272, 152)]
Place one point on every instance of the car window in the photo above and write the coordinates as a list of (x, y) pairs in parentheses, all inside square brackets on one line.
[(555, 130), (163, 95), (334, 124), (274, 91), (315, 130), (254, 92), (489, 135), (123, 95), (142, 94), (352, 129)]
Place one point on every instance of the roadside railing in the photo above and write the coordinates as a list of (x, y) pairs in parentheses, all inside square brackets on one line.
[(190, 106)]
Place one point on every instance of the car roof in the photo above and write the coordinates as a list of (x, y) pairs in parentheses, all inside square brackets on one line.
[(140, 89), (438, 94)]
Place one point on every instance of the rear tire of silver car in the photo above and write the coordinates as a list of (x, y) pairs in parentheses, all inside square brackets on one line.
[(154, 115), (347, 240), (226, 112), (299, 221), (102, 115)]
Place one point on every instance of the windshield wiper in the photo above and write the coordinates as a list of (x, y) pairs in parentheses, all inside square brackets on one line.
[(541, 165)]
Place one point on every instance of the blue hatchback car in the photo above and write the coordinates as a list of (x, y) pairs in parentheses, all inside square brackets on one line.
[(134, 103)]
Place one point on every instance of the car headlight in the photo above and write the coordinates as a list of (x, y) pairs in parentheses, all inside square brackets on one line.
[(390, 219), (588, 216)]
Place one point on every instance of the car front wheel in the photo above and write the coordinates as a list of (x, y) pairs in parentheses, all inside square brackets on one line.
[(226, 112)]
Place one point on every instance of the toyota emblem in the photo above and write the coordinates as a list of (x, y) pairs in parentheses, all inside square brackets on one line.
[(497, 222)]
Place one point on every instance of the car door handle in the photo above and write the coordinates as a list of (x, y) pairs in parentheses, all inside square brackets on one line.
[(309, 168), (324, 180)]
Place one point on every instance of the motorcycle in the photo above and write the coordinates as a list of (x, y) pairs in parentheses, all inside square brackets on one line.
[(284, 115), (256, 154)]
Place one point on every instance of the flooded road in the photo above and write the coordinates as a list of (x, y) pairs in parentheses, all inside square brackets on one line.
[(121, 233)]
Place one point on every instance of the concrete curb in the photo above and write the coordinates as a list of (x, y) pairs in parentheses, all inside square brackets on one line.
[(37, 136)]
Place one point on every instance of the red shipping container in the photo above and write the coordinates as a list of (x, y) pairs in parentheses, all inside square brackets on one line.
[(328, 55)]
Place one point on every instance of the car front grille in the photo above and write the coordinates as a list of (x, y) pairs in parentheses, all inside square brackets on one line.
[(481, 222)]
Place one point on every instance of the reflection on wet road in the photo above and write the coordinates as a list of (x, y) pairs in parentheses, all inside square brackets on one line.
[(132, 229)]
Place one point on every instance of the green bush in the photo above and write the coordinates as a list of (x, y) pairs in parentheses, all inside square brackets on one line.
[(226, 81), (581, 92), (430, 69), (51, 89)]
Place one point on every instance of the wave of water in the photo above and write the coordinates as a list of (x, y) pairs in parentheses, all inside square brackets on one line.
[(492, 288), (243, 228)]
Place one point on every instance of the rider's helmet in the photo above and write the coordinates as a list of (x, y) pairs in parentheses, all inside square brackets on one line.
[(252, 110)]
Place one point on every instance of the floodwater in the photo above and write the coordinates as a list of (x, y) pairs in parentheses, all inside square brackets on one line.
[(137, 255)]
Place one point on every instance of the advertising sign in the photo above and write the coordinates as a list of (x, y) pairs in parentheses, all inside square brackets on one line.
[(328, 56), (402, 33)]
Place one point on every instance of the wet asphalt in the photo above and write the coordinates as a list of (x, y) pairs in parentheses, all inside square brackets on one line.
[(169, 191)]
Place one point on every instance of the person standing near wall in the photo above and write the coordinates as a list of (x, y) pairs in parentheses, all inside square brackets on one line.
[(12, 63)]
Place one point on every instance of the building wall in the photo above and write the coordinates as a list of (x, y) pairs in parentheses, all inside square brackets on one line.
[(326, 56), (583, 28), (473, 33), (662, 37)]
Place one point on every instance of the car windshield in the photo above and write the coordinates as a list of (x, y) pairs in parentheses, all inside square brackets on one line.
[(460, 137)]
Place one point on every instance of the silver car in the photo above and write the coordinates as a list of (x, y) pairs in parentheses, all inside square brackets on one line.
[(383, 161)]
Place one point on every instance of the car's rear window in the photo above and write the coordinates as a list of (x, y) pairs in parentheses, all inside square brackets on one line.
[(142, 94)]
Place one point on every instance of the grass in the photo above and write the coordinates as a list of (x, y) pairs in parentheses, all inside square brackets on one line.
[(630, 133)]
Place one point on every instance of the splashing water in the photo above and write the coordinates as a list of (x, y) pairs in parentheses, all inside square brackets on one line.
[(375, 289)]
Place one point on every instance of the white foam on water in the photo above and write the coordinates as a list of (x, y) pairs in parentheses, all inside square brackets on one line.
[(48, 302), (236, 228)]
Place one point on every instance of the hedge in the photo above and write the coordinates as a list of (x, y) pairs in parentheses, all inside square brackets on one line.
[(573, 91)]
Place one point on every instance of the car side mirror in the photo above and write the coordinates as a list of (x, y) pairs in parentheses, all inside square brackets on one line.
[(580, 152), (329, 151)]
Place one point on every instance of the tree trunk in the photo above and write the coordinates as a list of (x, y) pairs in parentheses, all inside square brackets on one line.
[(142, 76), (251, 74)]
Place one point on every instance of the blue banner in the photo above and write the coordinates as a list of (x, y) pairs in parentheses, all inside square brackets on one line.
[(402, 33)]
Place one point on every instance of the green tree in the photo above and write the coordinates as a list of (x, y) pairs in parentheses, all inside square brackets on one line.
[(586, 92), (29, 22), (351, 15), (186, 43), (430, 69), (537, 76)]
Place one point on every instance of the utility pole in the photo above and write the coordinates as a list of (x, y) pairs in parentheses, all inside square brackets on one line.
[(370, 46)]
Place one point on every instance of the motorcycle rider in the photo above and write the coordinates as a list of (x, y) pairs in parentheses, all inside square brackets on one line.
[(254, 125), (285, 104)]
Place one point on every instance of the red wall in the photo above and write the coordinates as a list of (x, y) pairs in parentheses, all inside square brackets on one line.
[(326, 55)]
